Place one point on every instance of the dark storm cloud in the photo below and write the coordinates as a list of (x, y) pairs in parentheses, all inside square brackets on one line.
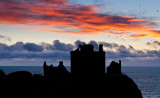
[(33, 47), (61, 50), (21, 47), (57, 45), (57, 50), (30, 55)]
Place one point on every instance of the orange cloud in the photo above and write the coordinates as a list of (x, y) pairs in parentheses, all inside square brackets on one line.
[(136, 20), (82, 19), (138, 35)]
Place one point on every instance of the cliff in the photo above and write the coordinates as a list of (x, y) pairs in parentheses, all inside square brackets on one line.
[(24, 84)]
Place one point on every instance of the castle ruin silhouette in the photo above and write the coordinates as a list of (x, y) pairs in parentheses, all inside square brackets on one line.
[(86, 64)]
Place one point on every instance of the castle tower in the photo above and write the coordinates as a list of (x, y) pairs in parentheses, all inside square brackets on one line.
[(87, 63)]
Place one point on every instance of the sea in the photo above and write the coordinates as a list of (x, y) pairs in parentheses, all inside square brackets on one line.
[(147, 78)]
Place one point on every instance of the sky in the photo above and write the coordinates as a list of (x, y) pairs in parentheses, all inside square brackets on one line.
[(32, 31)]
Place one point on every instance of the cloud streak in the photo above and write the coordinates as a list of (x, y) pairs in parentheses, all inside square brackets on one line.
[(81, 19), (61, 51)]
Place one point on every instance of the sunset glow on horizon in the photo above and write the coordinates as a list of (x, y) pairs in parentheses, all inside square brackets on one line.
[(129, 30)]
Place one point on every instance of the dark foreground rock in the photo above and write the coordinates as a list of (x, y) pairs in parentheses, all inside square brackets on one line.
[(25, 84)]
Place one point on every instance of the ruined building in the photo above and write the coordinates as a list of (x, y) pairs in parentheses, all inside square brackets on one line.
[(87, 63), (114, 68), (54, 72)]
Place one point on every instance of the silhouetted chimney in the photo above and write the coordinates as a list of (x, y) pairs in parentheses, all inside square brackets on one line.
[(61, 66), (44, 63), (60, 62), (100, 48), (44, 68)]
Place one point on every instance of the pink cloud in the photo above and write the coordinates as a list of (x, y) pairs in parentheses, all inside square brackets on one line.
[(63, 13)]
